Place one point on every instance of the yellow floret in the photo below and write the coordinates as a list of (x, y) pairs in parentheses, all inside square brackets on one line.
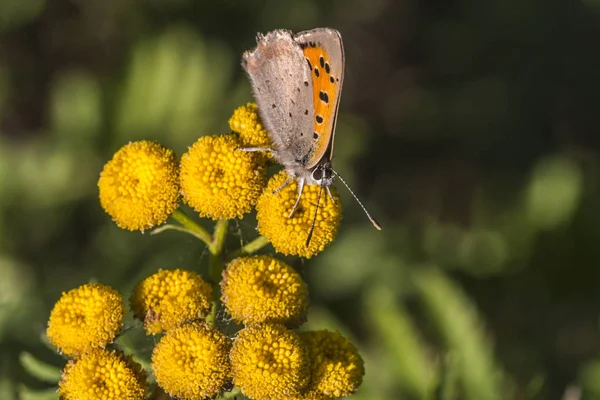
[(191, 362), (289, 235), (139, 187), (269, 362), (336, 367), (219, 181), (102, 374), (263, 289), (85, 318), (169, 298), (245, 121)]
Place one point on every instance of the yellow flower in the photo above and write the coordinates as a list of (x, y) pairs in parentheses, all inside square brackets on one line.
[(191, 362), (269, 362), (336, 367), (219, 181), (102, 374), (169, 298), (246, 122), (84, 318), (139, 187), (263, 289), (289, 235)]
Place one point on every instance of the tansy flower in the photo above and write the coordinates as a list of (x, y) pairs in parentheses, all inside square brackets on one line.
[(84, 318), (218, 181), (269, 362), (263, 289), (191, 362), (336, 367), (289, 235), (168, 298), (102, 374), (139, 187), (245, 121)]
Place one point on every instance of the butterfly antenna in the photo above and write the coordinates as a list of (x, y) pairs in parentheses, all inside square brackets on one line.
[(373, 221), (314, 221)]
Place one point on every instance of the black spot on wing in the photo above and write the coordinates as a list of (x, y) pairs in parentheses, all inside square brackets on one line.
[(324, 96)]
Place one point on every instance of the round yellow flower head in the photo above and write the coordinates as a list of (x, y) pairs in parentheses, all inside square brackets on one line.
[(191, 362), (289, 235), (102, 374), (139, 187), (263, 289), (85, 318), (245, 121), (219, 181), (169, 298), (269, 362), (336, 367)]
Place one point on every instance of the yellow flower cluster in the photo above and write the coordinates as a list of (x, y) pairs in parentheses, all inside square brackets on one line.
[(139, 187), (191, 362), (85, 318), (82, 323), (218, 181), (289, 235), (262, 289), (103, 374), (193, 359), (246, 123), (269, 362), (335, 365), (170, 298)]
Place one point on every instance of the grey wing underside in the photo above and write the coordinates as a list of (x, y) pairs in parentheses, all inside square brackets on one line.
[(283, 91), (331, 41)]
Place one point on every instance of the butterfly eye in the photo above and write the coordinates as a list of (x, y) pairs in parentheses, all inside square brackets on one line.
[(317, 174)]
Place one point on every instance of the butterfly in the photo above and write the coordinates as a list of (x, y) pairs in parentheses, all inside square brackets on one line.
[(297, 83)]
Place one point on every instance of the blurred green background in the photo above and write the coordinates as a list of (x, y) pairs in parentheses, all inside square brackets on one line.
[(468, 127)]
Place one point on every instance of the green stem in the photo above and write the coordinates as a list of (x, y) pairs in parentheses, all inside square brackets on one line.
[(231, 394), (216, 265), (249, 248), (171, 227), (192, 226), (218, 240)]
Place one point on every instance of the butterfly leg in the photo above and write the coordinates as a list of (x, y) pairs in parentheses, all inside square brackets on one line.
[(330, 195), (284, 184), (252, 149), (300, 189)]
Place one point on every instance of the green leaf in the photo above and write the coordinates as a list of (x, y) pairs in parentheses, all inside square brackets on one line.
[(394, 327), (554, 192), (26, 393), (39, 369), (459, 325)]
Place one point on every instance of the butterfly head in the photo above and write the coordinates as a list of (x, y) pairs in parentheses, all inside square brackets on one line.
[(322, 174)]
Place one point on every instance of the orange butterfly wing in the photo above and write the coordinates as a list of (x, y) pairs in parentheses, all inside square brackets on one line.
[(324, 53)]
